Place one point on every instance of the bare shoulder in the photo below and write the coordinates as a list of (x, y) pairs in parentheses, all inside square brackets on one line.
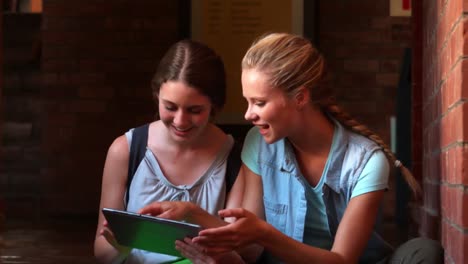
[(119, 149), (116, 165)]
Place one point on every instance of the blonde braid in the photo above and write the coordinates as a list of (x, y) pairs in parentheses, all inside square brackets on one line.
[(349, 122)]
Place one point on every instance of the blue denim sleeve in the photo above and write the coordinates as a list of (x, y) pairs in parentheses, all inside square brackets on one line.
[(250, 150), (374, 176)]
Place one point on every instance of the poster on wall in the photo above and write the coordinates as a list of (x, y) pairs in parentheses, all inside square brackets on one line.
[(22, 6), (230, 26), (400, 7)]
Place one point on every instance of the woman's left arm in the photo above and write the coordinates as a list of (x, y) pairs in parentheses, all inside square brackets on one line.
[(357, 225), (354, 230)]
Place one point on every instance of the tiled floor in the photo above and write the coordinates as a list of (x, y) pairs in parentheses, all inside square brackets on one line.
[(53, 243)]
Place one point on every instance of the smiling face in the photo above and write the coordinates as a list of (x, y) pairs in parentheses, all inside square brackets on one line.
[(184, 111), (269, 108)]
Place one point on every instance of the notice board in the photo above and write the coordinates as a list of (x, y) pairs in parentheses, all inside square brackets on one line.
[(230, 26)]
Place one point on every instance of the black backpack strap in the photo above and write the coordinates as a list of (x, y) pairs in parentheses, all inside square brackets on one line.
[(234, 163), (137, 153)]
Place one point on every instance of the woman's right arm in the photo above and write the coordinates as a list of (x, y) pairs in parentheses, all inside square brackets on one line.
[(241, 235), (113, 189), (252, 201)]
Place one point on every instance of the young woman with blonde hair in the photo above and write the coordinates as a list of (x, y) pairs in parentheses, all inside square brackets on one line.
[(316, 175)]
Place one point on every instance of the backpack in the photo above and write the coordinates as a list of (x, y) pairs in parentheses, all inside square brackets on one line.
[(138, 149)]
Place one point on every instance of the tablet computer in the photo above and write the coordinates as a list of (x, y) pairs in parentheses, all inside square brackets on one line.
[(148, 232)]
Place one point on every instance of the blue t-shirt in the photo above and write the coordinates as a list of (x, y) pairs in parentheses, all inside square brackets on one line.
[(316, 231)]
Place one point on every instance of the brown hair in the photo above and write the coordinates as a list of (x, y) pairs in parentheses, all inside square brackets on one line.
[(196, 65), (292, 62)]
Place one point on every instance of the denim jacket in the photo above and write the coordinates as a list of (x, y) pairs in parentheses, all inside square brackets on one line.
[(284, 194)]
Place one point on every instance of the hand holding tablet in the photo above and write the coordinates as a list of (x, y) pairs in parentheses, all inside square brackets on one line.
[(148, 232)]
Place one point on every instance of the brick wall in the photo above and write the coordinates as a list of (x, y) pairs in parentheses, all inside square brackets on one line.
[(445, 125), (2, 198), (364, 48), (98, 59), (21, 115)]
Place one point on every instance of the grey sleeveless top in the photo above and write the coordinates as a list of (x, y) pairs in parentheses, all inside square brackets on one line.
[(149, 185)]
